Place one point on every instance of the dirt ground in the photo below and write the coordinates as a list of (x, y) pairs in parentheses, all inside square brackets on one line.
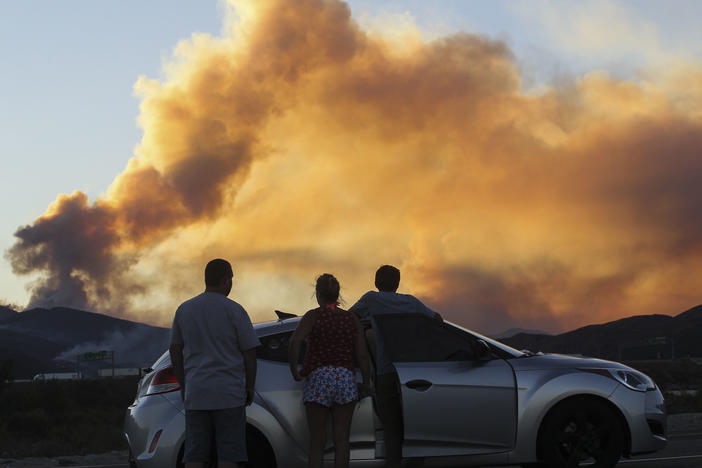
[(115, 459)]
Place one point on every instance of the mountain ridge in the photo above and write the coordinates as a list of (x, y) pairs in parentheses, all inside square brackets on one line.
[(636, 337), (6, 313), (48, 340), (51, 340), (515, 331)]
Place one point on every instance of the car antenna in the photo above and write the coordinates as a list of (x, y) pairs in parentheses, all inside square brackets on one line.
[(284, 315)]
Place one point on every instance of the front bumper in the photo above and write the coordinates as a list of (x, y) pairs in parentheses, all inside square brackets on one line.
[(646, 415)]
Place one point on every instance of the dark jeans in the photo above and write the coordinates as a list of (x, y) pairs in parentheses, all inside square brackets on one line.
[(390, 411), (225, 426)]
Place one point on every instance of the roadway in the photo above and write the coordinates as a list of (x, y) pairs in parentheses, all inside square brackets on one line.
[(684, 450)]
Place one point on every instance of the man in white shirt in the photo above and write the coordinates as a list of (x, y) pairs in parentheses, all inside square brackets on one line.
[(213, 350)]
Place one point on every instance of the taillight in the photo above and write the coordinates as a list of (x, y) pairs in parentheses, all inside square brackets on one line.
[(163, 381)]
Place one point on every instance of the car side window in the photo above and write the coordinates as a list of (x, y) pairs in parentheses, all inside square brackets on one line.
[(275, 347), (417, 338)]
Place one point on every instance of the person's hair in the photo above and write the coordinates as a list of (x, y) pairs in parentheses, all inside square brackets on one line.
[(387, 278), (216, 271), (327, 288)]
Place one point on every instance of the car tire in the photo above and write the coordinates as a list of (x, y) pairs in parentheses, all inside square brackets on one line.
[(260, 452), (581, 430), (130, 459), (179, 459)]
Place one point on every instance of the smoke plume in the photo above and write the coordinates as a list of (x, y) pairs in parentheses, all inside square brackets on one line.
[(300, 143)]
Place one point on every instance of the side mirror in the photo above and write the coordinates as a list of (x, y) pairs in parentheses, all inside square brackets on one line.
[(482, 350)]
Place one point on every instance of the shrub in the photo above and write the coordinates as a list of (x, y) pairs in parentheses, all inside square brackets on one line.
[(5, 372), (683, 403), (56, 418), (29, 424)]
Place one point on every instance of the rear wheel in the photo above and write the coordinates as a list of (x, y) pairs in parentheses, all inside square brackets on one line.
[(179, 460), (581, 432), (260, 452), (131, 460)]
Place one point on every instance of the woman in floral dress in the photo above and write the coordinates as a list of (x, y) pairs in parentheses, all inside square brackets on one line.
[(333, 336)]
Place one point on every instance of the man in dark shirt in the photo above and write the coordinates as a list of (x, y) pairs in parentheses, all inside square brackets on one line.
[(372, 304)]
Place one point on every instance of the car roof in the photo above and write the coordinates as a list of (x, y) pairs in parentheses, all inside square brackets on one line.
[(273, 327), (276, 326), (289, 324)]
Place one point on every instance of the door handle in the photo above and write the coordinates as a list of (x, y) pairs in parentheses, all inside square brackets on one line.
[(419, 385)]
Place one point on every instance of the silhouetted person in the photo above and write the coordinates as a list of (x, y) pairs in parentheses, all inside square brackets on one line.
[(333, 336), (213, 351), (388, 398)]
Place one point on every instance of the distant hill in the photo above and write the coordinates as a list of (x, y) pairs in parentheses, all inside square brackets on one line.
[(29, 359), (6, 313), (515, 331), (48, 340), (632, 338)]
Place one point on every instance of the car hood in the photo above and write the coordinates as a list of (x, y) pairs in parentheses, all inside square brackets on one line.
[(561, 361)]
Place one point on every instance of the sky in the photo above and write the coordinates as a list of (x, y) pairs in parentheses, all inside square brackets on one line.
[(525, 163)]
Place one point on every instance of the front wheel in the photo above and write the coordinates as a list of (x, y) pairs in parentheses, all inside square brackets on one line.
[(581, 432)]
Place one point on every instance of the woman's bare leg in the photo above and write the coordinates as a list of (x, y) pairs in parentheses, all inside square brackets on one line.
[(317, 422), (341, 417)]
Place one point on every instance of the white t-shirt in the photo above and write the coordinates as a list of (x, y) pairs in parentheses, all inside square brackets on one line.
[(214, 332)]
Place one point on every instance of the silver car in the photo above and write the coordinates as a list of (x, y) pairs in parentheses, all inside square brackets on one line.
[(467, 401)]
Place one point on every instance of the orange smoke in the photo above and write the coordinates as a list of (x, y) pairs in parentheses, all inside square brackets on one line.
[(300, 143)]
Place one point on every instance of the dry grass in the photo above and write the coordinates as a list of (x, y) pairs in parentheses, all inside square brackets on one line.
[(53, 418)]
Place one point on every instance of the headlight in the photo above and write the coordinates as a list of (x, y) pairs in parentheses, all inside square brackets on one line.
[(635, 380)]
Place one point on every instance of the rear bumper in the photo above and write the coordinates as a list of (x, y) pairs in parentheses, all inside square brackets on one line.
[(153, 416), (156, 413)]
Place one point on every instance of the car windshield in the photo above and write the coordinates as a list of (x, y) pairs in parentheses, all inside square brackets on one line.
[(509, 350)]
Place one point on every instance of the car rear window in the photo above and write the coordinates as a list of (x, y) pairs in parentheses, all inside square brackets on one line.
[(275, 348)]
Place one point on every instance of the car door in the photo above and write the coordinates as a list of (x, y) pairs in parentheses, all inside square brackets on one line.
[(455, 402), (283, 397)]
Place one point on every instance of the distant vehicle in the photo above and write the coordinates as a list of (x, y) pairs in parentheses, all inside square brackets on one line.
[(120, 372), (467, 400), (58, 376)]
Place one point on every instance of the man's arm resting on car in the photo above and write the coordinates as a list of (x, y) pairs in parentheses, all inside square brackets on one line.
[(176, 351)]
